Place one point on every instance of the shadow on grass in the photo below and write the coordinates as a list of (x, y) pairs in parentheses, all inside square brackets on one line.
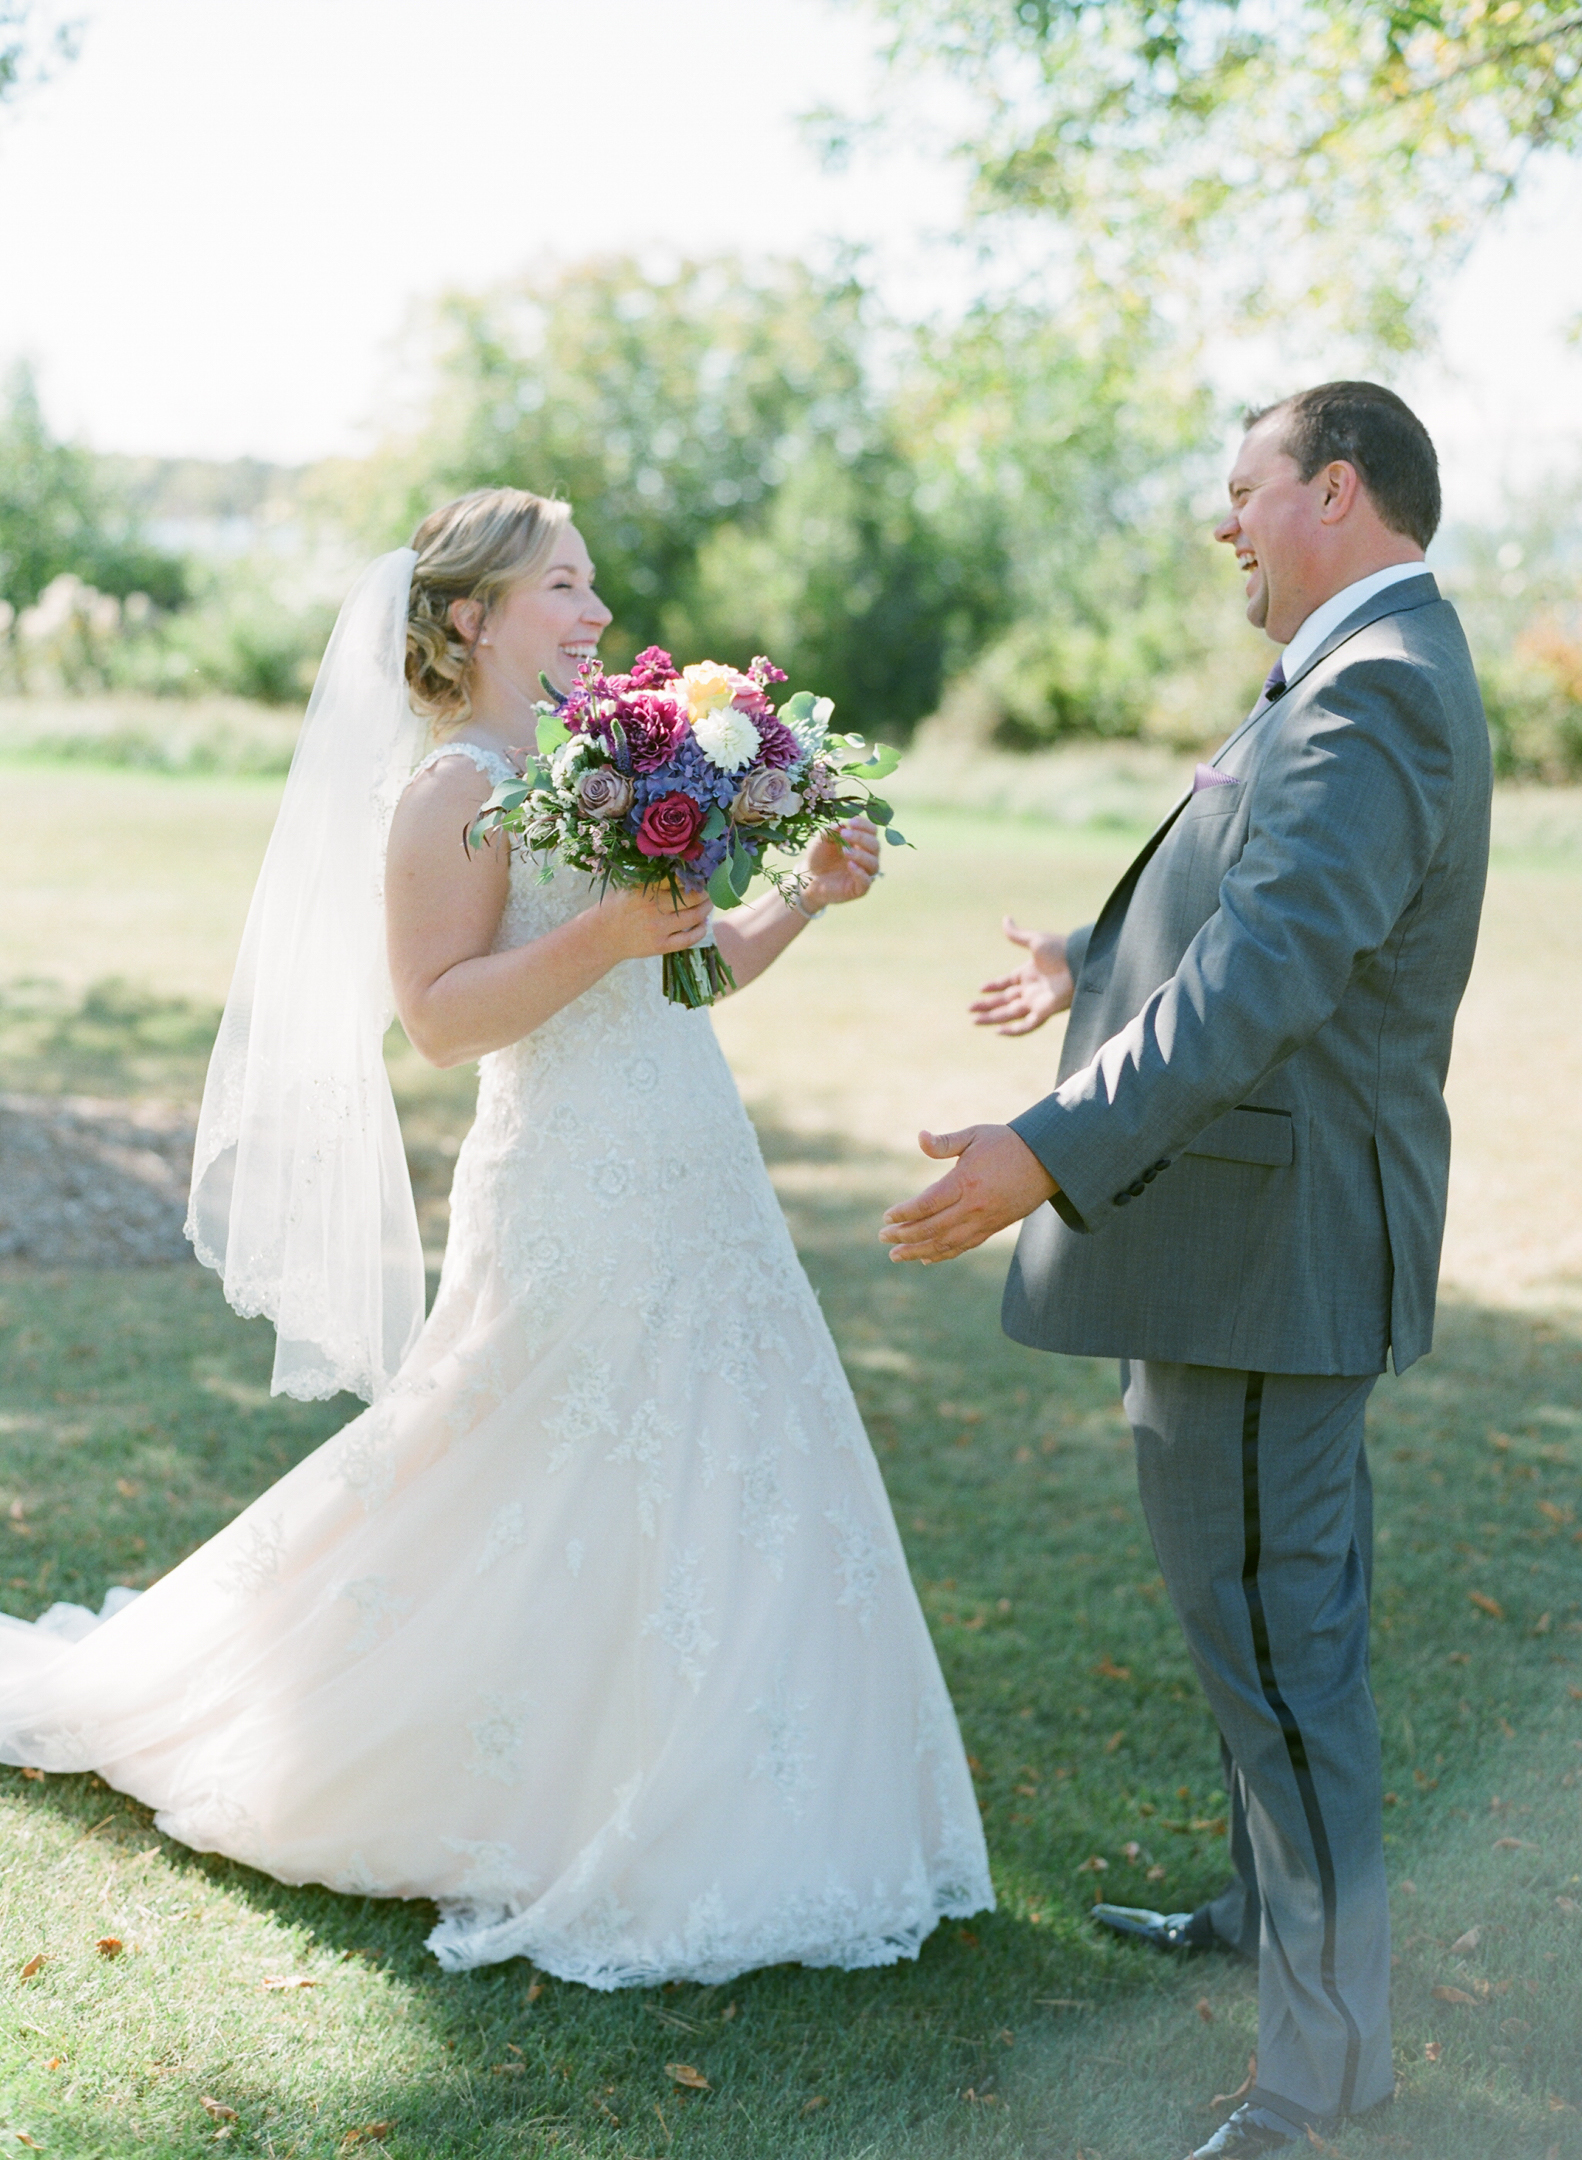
[(138, 1420)]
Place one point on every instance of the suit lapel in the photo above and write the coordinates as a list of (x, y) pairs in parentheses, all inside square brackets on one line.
[(1397, 599)]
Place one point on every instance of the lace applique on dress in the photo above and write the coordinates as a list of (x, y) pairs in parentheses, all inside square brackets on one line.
[(497, 1737), (787, 1757), (681, 1621), (253, 1565), (507, 1531), (649, 1438), (381, 1610), (860, 1559)]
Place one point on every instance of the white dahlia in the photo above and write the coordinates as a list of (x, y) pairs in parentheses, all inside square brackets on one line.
[(727, 738)]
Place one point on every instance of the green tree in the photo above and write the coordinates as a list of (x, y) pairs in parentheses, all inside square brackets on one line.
[(56, 516), (1247, 159), (32, 43)]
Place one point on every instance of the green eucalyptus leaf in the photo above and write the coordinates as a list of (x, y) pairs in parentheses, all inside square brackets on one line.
[(883, 762), (896, 839), (739, 867), (715, 823), (799, 707), (721, 891), (552, 732), (878, 809)]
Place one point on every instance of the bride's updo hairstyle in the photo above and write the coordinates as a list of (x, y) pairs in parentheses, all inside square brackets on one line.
[(471, 549)]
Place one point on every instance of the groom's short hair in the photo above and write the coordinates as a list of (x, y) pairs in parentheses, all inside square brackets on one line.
[(1371, 428)]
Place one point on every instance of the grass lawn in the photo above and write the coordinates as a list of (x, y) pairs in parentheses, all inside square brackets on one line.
[(135, 1418)]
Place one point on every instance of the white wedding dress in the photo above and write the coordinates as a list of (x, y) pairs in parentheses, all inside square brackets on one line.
[(596, 1628)]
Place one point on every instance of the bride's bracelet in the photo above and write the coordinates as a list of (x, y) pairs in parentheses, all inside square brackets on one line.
[(794, 902)]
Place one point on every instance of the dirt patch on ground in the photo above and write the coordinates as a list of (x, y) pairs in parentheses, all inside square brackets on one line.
[(87, 1183)]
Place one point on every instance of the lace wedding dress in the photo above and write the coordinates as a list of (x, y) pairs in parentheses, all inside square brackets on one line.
[(596, 1628)]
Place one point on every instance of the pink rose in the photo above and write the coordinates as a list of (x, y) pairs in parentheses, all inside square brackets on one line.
[(764, 796), (604, 793), (671, 826)]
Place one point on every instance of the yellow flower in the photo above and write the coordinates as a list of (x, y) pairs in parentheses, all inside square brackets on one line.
[(708, 687)]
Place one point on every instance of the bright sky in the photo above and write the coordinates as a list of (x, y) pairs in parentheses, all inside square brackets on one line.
[(219, 219)]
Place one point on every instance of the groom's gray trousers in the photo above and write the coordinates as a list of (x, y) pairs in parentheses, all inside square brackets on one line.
[(1258, 1499)]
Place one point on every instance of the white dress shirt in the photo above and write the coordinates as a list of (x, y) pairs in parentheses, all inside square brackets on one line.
[(1333, 612)]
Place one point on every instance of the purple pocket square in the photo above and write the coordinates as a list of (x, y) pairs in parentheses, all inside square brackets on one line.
[(1206, 776)]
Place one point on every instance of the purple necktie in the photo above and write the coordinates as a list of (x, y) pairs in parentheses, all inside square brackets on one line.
[(1274, 681)]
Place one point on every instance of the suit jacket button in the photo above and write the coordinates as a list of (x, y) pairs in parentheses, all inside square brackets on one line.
[(1150, 1173), (1163, 1163), (1137, 1190), (1121, 1199)]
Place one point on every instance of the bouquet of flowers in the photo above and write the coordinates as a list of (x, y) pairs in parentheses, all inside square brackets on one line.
[(685, 777)]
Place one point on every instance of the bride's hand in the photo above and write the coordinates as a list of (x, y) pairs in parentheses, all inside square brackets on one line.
[(641, 922), (842, 864), (1040, 988)]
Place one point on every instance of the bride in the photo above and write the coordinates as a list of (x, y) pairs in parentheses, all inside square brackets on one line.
[(595, 1628)]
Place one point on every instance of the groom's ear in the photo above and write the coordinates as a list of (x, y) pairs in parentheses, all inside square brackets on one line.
[(1340, 486)]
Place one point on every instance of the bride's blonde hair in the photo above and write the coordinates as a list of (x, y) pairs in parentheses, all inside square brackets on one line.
[(469, 549)]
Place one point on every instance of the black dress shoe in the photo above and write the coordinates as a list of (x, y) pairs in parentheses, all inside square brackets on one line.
[(1249, 2131), (1161, 1931)]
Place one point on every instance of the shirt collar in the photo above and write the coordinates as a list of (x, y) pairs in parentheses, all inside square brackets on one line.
[(1334, 611)]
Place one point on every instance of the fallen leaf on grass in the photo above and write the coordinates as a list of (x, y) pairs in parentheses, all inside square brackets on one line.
[(109, 1946), (286, 1980), (30, 1772), (33, 1965), (1095, 1864), (1131, 1851), (1210, 1826), (1454, 1995), (1156, 1873), (1233, 2099), (685, 2074), (218, 2109), (1204, 2011), (1060, 2002), (535, 1988), (1491, 1606), (1107, 1669), (1116, 1739), (1318, 2143), (1514, 1844), (1464, 1944), (727, 2013), (22, 2138), (811, 2107), (367, 2133), (1567, 1905), (1432, 2050), (1543, 1623)]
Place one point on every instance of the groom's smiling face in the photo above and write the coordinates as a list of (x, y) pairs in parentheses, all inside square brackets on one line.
[(1274, 525)]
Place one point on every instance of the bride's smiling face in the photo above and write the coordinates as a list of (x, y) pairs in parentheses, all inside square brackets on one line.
[(548, 624)]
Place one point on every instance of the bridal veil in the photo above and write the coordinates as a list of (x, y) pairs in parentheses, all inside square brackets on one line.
[(300, 1194)]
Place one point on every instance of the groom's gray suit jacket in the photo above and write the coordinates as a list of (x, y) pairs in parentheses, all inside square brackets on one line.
[(1249, 1128)]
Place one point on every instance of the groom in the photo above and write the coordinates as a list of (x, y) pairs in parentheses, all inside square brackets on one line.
[(1238, 1188)]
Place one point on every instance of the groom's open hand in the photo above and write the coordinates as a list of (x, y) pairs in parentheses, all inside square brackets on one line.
[(1040, 988), (997, 1179)]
